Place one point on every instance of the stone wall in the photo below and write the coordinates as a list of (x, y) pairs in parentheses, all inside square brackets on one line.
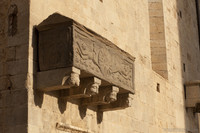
[(157, 38), (182, 47), (158, 103), (14, 32), (126, 24)]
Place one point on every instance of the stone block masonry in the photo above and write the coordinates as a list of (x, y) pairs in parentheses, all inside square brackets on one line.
[(160, 34), (157, 38)]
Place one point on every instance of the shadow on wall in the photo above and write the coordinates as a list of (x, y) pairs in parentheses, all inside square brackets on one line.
[(39, 95), (188, 44)]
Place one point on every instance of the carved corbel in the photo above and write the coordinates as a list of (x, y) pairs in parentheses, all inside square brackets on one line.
[(123, 101), (71, 81), (87, 88), (106, 95), (112, 95), (92, 88), (58, 79)]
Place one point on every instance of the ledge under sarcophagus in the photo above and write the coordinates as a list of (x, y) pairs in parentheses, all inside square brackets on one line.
[(80, 63)]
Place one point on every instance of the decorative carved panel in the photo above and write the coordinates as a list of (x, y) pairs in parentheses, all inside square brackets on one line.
[(83, 65), (68, 44), (97, 56)]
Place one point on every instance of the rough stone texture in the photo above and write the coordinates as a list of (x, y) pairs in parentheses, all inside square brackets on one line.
[(88, 87), (64, 43), (192, 94), (58, 79), (157, 38), (126, 24), (14, 33)]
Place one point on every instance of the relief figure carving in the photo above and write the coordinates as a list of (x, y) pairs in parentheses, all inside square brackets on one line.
[(96, 56), (93, 86), (72, 80), (112, 96)]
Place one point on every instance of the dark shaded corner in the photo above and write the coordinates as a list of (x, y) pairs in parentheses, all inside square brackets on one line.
[(99, 117), (38, 95), (82, 111), (62, 104)]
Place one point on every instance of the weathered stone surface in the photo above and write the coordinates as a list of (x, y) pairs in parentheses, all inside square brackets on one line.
[(123, 101), (10, 53), (69, 128), (107, 94), (157, 35), (192, 93), (12, 20), (58, 79), (55, 47), (126, 24), (87, 88), (68, 43), (97, 56)]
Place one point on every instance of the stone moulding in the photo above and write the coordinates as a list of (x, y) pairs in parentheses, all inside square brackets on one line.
[(79, 62), (192, 93), (58, 79), (71, 129)]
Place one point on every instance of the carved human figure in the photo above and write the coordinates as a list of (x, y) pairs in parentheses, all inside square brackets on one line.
[(93, 86), (104, 61), (112, 96), (93, 89), (73, 80)]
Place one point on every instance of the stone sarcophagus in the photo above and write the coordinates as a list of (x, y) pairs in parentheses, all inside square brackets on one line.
[(80, 62)]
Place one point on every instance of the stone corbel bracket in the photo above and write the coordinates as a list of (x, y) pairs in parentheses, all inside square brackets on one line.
[(192, 93), (106, 95), (88, 87), (69, 52), (123, 101)]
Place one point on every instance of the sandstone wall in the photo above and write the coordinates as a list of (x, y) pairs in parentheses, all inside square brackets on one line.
[(182, 47), (157, 38), (158, 104), (14, 21), (125, 23)]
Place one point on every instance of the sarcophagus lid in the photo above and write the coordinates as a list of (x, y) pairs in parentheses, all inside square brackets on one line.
[(65, 43)]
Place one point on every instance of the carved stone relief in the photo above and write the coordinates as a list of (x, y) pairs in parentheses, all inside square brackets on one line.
[(107, 94), (88, 87), (83, 65), (64, 45), (96, 57)]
